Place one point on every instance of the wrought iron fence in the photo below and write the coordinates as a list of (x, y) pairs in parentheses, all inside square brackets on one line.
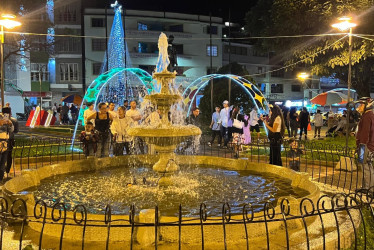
[(339, 221)]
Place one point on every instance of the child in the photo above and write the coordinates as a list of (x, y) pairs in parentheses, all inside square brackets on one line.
[(89, 138)]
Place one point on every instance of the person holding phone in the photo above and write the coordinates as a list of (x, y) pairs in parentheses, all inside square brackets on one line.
[(276, 127)]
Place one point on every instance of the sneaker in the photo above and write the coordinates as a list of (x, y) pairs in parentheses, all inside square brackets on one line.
[(209, 144), (315, 136), (219, 145), (224, 147)]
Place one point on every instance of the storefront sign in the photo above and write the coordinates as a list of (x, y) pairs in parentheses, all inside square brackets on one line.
[(36, 94)]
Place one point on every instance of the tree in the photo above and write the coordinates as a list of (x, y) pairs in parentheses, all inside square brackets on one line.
[(311, 17), (221, 92), (34, 20)]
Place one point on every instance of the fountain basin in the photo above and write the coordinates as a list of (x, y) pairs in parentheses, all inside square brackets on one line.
[(28, 179)]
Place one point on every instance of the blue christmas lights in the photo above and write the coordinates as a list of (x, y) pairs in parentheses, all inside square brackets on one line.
[(51, 40)]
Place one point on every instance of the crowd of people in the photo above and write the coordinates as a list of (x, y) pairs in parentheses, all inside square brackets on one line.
[(108, 128)]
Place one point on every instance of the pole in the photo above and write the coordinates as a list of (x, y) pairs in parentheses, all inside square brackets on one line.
[(2, 65), (349, 89), (211, 60), (230, 55), (83, 48), (40, 94), (106, 35)]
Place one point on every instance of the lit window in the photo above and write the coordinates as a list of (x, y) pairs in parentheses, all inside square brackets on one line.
[(214, 50), (142, 26)]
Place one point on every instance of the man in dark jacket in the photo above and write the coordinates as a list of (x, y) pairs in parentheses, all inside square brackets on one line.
[(304, 120), (11, 141)]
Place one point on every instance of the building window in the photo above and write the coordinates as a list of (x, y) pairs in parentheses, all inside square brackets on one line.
[(214, 50), (36, 68), (277, 88), (97, 22), (142, 26), (67, 14), (68, 44), (176, 28), (259, 53), (236, 50), (96, 68), (295, 88), (98, 44), (68, 72), (212, 30), (277, 72), (142, 47)]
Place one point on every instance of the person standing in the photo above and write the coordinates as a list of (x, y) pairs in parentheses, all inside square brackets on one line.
[(253, 122), (65, 114), (276, 128), (216, 127), (194, 119), (6, 127), (224, 121), (119, 129), (237, 129), (11, 141), (112, 111), (365, 140), (135, 115), (89, 139), (294, 124), (102, 125), (88, 112), (54, 109), (74, 113), (318, 123), (59, 109), (304, 119), (285, 111)]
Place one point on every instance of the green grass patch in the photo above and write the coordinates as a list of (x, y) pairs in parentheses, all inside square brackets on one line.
[(369, 228)]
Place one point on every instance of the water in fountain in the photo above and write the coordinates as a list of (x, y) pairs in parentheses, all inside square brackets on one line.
[(192, 185)]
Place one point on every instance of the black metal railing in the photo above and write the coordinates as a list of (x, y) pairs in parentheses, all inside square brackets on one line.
[(306, 224)]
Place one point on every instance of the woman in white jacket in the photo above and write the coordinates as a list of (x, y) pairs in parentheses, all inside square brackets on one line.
[(119, 129)]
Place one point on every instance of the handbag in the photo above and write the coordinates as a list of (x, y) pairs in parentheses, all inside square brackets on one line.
[(237, 124)]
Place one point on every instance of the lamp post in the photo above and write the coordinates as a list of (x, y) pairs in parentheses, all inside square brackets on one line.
[(6, 21), (302, 77), (345, 24)]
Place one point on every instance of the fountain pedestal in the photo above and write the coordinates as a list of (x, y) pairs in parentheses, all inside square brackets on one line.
[(166, 136)]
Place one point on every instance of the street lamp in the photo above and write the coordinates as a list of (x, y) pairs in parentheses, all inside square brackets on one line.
[(7, 22), (303, 76), (345, 24)]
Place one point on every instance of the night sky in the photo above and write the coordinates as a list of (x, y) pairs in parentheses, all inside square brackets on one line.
[(238, 7)]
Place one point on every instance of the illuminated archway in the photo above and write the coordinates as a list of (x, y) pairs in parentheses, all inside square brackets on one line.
[(102, 80), (253, 92)]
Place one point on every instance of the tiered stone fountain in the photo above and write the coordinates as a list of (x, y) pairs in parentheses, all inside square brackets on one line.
[(166, 136)]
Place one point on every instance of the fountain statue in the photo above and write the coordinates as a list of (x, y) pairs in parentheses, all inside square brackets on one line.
[(165, 136)]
